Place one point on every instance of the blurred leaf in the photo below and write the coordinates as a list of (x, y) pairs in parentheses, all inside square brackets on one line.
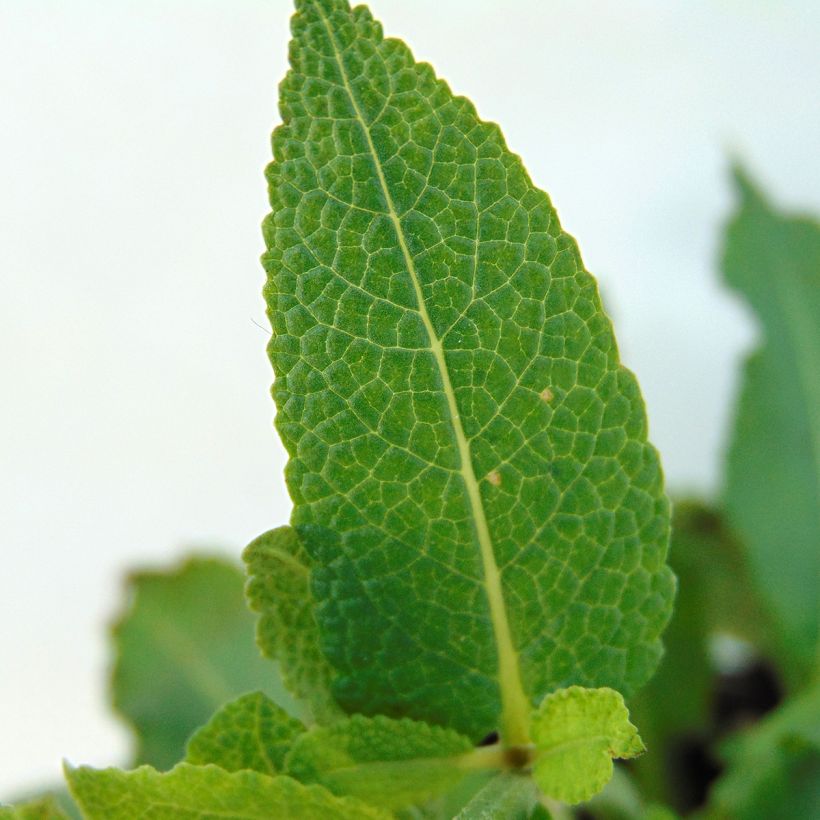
[(206, 793), (249, 733), (714, 594), (184, 647), (772, 488), (42, 808), (773, 768), (577, 732), (279, 591), (391, 763), (506, 795)]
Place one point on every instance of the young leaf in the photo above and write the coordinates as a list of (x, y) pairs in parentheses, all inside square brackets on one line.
[(43, 808), (468, 458), (279, 590), (392, 763), (184, 647), (507, 795), (772, 488), (249, 733), (206, 793), (577, 732)]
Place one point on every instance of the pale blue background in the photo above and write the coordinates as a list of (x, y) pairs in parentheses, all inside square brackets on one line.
[(135, 418)]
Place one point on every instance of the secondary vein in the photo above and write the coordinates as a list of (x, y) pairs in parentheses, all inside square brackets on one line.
[(514, 702)]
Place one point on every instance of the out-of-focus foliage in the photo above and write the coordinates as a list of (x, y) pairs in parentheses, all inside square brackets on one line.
[(185, 646), (772, 489), (773, 768)]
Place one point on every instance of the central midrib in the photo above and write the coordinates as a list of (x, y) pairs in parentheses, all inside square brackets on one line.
[(514, 702)]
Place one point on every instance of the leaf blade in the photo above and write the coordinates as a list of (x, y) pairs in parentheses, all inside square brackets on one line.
[(431, 377), (251, 732), (390, 763), (185, 646), (577, 733), (507, 795), (206, 793), (278, 590), (772, 485)]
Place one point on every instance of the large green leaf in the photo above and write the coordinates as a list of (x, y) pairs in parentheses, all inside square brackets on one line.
[(773, 470), (206, 793), (251, 732), (184, 647), (391, 763), (468, 458)]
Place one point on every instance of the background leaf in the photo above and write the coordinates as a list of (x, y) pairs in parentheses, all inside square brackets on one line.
[(773, 768), (43, 808), (507, 795), (772, 490), (184, 647), (468, 459), (715, 595), (251, 732), (206, 793)]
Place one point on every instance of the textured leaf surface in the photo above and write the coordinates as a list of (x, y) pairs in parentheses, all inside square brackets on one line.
[(773, 770), (249, 733), (392, 763), (468, 459), (43, 808), (507, 795), (279, 590), (577, 732), (773, 471), (206, 793), (184, 647)]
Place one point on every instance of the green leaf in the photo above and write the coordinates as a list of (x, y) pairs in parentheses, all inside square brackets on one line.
[(468, 458), (772, 488), (508, 795), (392, 763), (773, 768), (43, 808), (184, 647), (279, 590), (206, 793), (249, 733), (577, 732)]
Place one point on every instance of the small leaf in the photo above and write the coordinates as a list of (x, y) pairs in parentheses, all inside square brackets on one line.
[(206, 793), (249, 733), (507, 795), (279, 591), (184, 647), (391, 763), (43, 808), (577, 732), (469, 462), (772, 490)]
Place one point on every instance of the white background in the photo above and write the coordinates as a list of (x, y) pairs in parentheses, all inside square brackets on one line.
[(135, 417)]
